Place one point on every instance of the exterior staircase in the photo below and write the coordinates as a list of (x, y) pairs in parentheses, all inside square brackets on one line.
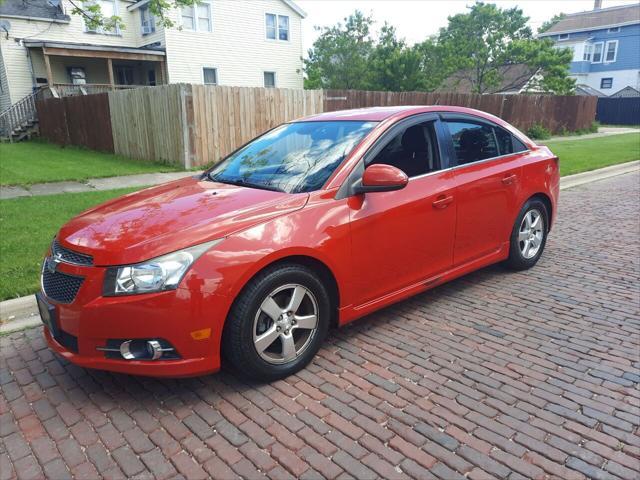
[(20, 120)]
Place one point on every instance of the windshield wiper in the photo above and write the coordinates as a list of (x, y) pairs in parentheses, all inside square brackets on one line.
[(243, 183)]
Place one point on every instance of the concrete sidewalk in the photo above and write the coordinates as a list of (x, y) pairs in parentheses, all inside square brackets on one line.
[(93, 184), (19, 313), (602, 132)]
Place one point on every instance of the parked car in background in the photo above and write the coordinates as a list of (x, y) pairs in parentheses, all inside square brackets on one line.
[(315, 223)]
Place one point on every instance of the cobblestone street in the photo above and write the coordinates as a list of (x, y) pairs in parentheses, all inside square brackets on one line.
[(496, 375)]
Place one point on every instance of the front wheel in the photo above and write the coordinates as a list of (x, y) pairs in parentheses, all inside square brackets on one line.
[(278, 323), (529, 235)]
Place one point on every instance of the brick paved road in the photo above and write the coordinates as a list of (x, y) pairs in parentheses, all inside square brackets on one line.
[(508, 375)]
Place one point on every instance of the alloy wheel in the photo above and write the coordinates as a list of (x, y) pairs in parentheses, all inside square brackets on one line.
[(531, 233), (285, 324)]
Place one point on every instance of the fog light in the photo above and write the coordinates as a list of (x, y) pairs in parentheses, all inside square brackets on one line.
[(139, 349)]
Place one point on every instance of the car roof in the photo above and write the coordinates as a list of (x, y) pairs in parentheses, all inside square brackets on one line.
[(378, 114)]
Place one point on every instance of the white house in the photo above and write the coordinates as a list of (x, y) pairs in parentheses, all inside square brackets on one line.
[(244, 43)]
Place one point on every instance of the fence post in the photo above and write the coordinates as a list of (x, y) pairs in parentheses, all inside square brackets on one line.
[(186, 124)]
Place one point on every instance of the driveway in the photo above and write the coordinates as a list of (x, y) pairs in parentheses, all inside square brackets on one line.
[(506, 375)]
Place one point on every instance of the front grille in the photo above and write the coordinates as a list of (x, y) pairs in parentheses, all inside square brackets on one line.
[(69, 256), (59, 286)]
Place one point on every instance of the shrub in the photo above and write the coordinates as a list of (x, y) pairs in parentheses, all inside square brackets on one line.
[(537, 131), (593, 128)]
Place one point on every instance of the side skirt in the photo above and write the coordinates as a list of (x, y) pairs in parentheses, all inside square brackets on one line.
[(350, 313)]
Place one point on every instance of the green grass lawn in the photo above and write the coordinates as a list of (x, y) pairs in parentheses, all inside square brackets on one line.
[(589, 154), (25, 163), (28, 226)]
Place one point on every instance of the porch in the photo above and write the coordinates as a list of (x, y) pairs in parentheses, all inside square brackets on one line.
[(80, 69)]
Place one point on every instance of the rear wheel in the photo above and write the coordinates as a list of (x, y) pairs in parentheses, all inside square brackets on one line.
[(278, 323), (529, 235)]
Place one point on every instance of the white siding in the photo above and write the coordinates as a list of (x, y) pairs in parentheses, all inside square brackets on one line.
[(237, 47)]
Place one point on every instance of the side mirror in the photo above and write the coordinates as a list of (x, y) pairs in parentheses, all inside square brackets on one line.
[(381, 178)]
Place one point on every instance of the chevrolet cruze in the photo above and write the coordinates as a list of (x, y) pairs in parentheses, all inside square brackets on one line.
[(313, 224)]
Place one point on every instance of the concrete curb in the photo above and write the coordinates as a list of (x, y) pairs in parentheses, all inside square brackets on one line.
[(578, 179), (19, 313)]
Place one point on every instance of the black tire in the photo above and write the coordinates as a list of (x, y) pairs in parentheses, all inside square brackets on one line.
[(517, 259), (238, 338)]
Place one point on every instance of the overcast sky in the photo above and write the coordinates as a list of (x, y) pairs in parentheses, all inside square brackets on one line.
[(417, 19)]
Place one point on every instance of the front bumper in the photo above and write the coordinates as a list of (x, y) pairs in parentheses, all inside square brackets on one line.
[(91, 320)]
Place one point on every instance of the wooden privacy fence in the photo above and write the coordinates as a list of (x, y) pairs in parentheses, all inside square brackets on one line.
[(196, 125), (554, 112), (82, 121)]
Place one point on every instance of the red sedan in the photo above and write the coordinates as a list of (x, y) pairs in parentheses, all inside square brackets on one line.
[(313, 224)]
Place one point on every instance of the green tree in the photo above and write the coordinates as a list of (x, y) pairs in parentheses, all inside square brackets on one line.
[(394, 66), (487, 38), (339, 57)]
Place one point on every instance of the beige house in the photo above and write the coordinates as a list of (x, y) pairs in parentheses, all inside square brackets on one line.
[(244, 43)]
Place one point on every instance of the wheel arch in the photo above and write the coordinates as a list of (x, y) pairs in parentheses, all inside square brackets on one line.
[(316, 265), (544, 198)]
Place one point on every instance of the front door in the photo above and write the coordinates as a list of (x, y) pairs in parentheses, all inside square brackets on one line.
[(487, 178), (404, 237)]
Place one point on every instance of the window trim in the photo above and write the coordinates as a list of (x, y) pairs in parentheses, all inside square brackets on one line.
[(602, 80), (593, 53), (606, 49), (277, 27), (587, 52), (275, 78), (208, 67)]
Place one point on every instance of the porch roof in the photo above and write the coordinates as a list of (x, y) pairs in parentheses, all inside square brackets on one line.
[(65, 49)]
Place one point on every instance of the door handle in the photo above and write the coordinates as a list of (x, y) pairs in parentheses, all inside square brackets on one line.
[(509, 179), (442, 201)]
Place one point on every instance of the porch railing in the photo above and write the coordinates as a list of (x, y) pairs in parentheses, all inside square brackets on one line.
[(18, 115), (70, 89)]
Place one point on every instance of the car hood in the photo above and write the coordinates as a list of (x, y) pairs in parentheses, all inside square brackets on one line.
[(169, 217)]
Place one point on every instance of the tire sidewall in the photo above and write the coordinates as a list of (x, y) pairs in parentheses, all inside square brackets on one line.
[(516, 259), (260, 368)]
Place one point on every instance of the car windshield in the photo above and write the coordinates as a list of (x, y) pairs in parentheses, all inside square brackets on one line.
[(295, 157)]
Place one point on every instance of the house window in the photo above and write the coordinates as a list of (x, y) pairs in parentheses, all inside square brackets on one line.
[(197, 17), (188, 18), (269, 79), (606, 82), (614, 29), (147, 20), (277, 27), (271, 26), (597, 52), (563, 36), (611, 51), (204, 17), (108, 9), (283, 27), (588, 51), (210, 76)]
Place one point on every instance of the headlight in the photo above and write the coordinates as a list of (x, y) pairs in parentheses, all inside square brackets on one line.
[(156, 275)]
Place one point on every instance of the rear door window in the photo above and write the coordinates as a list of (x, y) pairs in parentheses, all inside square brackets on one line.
[(473, 141)]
